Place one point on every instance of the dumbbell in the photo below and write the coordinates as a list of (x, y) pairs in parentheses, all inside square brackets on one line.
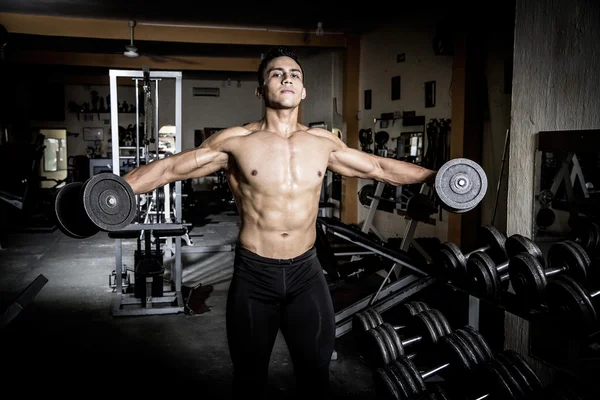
[(103, 202), (573, 305), (460, 185), (505, 376), (458, 355), (453, 263), (369, 318), (383, 344), (529, 278), (486, 278)]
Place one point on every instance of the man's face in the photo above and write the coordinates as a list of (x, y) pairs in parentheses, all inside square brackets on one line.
[(283, 87)]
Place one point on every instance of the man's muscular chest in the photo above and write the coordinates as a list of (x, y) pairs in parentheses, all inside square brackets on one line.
[(292, 164)]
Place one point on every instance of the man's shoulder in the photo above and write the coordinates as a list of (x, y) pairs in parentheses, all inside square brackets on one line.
[(232, 132), (320, 132)]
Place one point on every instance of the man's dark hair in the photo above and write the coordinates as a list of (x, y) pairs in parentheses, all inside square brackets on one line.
[(274, 52)]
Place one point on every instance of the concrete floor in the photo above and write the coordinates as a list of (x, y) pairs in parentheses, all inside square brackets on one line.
[(66, 338)]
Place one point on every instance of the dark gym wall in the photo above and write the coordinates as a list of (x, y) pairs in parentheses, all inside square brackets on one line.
[(556, 86)]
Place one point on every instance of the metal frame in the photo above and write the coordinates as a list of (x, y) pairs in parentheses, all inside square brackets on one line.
[(172, 301), (386, 296)]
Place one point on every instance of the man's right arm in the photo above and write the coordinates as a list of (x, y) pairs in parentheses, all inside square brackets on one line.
[(188, 164)]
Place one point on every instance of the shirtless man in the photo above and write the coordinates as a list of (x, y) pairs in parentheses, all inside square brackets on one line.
[(275, 168)]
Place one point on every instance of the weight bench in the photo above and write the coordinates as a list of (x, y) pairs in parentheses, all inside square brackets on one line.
[(149, 296), (387, 296)]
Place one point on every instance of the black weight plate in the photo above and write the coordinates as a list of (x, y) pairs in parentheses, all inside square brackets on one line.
[(492, 237), (433, 331), (396, 376), (484, 281), (407, 310), (402, 380), (365, 193), (389, 343), (532, 381), (370, 320), (567, 298), (466, 349), (517, 243), (482, 344), (422, 326), (374, 349), (418, 384), (480, 357), (408, 383), (528, 279), (69, 212), (460, 185), (385, 385), (502, 367), (496, 382), (421, 306), (452, 353), (517, 376), (109, 201), (396, 340), (376, 316), (451, 261), (562, 255), (360, 323), (433, 317), (442, 322), (584, 258)]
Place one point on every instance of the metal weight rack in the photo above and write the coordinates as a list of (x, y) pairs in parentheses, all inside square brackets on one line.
[(171, 301)]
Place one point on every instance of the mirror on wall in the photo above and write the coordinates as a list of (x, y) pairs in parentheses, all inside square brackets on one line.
[(566, 218), (567, 188)]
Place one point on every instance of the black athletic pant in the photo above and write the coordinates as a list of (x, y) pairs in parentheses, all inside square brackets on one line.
[(271, 294)]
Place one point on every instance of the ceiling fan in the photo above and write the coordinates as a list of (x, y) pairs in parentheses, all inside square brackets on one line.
[(131, 50)]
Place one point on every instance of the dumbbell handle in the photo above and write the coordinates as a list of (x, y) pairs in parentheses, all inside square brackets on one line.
[(554, 271), (434, 371), (411, 340)]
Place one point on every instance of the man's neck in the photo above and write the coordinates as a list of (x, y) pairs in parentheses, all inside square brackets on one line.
[(281, 122)]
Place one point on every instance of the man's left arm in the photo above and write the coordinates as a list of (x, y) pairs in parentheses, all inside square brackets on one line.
[(358, 164)]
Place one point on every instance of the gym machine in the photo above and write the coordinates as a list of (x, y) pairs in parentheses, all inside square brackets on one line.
[(152, 220)]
